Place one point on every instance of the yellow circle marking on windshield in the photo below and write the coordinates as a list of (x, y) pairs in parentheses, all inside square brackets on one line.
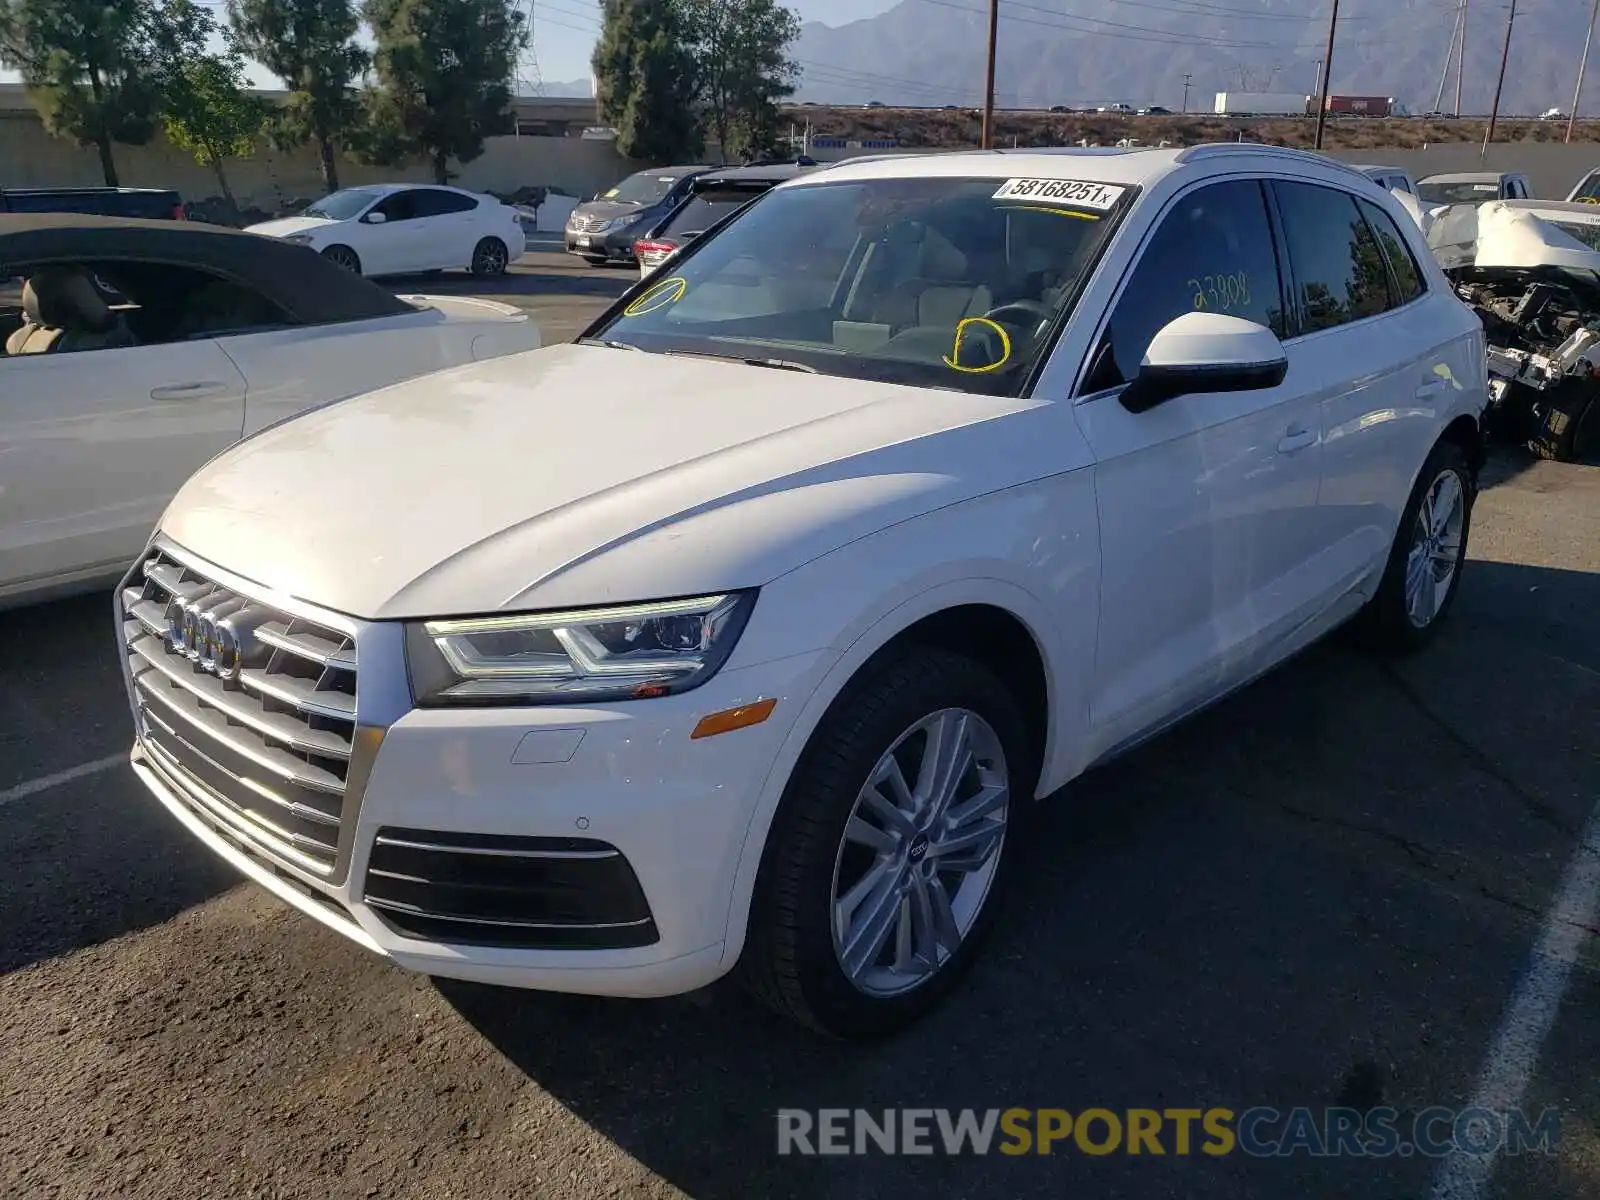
[(954, 363), (668, 291)]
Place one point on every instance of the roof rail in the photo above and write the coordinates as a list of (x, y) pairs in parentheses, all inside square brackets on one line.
[(1210, 150)]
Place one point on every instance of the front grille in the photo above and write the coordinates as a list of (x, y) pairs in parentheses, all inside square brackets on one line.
[(587, 224), (526, 892), (251, 708)]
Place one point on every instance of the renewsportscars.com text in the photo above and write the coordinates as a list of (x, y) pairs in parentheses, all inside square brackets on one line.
[(1260, 1132)]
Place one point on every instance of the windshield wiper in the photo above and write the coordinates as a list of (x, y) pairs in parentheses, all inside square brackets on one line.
[(777, 364), (589, 341)]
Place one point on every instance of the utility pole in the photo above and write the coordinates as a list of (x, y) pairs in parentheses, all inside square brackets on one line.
[(1494, 111), (988, 93), (1583, 65), (1444, 75), (1461, 56), (1186, 80), (1327, 73)]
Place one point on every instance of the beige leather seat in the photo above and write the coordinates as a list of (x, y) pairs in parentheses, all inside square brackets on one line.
[(939, 294), (64, 312)]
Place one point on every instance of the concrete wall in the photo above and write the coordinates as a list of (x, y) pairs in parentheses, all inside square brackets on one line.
[(30, 156), (1554, 168), (578, 167)]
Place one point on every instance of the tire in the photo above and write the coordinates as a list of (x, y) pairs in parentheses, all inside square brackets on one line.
[(792, 960), (1390, 623), (343, 256), (1566, 421), (490, 258)]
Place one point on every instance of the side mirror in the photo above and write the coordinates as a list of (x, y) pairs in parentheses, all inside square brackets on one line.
[(1206, 352), (374, 218)]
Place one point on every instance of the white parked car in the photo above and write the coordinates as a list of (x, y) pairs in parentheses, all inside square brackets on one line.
[(136, 350), (397, 229), (742, 631)]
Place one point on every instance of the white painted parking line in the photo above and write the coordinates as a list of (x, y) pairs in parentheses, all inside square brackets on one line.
[(45, 782), (1532, 1013)]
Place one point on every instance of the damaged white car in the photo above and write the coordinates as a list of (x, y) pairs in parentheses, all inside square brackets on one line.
[(1531, 271)]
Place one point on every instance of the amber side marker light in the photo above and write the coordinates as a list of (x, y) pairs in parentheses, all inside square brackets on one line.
[(730, 719)]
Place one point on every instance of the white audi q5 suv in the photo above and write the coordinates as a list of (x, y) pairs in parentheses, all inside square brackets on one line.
[(742, 631)]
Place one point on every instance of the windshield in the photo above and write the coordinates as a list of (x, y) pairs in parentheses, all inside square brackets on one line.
[(1458, 193), (343, 205), (955, 283), (705, 210), (1588, 192), (1583, 231), (644, 188)]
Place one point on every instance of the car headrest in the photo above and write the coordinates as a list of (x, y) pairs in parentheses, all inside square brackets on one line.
[(66, 298)]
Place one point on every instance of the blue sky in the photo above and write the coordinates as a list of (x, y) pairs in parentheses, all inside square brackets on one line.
[(564, 34)]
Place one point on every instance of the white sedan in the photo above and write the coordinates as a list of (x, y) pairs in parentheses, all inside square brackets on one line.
[(396, 229), (136, 351), (741, 632)]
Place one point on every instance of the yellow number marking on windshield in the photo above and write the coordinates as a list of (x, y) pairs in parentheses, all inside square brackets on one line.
[(1221, 293), (954, 363), (668, 291)]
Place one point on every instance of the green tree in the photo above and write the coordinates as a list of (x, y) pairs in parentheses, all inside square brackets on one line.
[(310, 45), (86, 65), (206, 108), (444, 71), (646, 87), (741, 49)]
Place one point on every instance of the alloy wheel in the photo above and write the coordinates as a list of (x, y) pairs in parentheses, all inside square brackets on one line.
[(919, 852), (340, 257), (1436, 547), (492, 258)]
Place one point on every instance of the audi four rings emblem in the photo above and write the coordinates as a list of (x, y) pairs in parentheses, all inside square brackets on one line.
[(196, 629)]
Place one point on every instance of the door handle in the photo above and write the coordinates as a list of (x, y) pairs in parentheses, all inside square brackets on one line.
[(199, 390), (1430, 389), (1296, 439)]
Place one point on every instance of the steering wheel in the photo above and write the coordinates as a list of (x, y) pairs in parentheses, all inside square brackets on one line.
[(1040, 313)]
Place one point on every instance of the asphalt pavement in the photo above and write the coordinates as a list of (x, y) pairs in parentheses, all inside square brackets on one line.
[(1326, 891)]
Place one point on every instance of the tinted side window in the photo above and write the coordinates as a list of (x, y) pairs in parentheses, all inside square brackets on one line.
[(1338, 267), (399, 207), (1588, 192), (1407, 274), (434, 203), (704, 211), (1212, 252)]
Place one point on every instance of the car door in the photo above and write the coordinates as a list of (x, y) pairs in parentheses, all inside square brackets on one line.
[(93, 445), (1205, 500), (1378, 362), (393, 246), (446, 228)]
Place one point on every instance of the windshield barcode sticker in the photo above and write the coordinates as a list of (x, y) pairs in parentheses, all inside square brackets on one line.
[(1063, 191)]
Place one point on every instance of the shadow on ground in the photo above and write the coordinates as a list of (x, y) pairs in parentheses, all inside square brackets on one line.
[(1274, 904)]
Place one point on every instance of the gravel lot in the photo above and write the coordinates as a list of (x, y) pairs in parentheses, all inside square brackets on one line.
[(1323, 891)]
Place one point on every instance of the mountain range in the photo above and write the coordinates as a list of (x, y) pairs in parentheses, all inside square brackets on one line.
[(931, 53)]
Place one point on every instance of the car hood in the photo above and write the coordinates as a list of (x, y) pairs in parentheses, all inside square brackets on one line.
[(284, 226), (607, 209), (503, 484)]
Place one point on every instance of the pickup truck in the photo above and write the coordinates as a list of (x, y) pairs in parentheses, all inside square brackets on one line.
[(150, 203)]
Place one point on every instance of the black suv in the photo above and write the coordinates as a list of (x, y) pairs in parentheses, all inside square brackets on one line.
[(603, 229), (712, 196)]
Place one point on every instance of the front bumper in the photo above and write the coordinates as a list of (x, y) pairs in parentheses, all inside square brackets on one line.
[(614, 246), (578, 849)]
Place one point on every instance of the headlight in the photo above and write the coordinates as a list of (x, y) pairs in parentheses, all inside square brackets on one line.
[(299, 239), (630, 652)]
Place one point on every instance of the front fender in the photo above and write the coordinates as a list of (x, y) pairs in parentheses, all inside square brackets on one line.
[(1045, 573)]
